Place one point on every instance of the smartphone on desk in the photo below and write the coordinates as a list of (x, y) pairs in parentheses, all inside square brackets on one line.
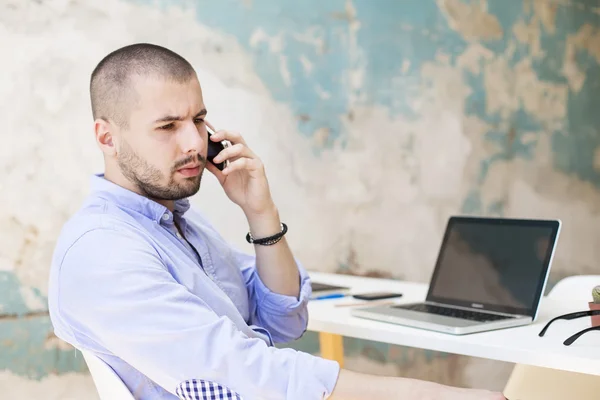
[(376, 295), (215, 148)]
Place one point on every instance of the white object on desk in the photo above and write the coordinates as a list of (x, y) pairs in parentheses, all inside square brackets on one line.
[(516, 345)]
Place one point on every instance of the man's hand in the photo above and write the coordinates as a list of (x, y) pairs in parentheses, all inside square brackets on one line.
[(356, 386), (244, 180)]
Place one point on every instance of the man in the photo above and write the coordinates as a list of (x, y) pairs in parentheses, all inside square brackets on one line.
[(147, 284)]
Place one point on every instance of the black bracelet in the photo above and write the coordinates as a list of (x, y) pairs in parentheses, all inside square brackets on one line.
[(269, 240)]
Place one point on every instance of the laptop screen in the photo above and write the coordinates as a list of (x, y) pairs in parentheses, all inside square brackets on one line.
[(494, 264)]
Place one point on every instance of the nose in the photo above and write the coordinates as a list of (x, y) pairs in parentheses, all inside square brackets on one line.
[(191, 138)]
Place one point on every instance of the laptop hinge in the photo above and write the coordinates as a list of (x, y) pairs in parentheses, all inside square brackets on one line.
[(475, 309)]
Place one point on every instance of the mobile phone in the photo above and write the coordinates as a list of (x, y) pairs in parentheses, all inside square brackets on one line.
[(215, 148), (376, 295)]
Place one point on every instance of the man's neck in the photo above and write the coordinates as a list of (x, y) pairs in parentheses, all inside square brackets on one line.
[(118, 179)]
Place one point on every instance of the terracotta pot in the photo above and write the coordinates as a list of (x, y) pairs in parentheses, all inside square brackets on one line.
[(595, 318)]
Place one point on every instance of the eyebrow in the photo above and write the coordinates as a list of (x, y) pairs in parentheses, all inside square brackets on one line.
[(168, 118)]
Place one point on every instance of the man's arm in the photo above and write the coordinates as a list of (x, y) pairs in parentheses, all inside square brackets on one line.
[(275, 264), (356, 386), (285, 317), (245, 183)]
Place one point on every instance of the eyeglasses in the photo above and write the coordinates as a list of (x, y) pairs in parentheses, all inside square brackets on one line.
[(571, 316)]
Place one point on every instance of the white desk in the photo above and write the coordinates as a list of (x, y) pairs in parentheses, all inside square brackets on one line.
[(520, 345)]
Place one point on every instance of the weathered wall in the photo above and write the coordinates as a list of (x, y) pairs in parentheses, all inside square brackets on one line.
[(376, 121)]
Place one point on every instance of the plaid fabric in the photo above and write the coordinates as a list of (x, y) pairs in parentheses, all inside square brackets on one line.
[(198, 389)]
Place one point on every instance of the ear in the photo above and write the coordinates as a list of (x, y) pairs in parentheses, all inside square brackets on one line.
[(105, 136)]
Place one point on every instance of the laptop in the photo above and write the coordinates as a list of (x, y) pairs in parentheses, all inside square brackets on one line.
[(490, 274)]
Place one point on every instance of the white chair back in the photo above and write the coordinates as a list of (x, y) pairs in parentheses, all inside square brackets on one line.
[(108, 384)]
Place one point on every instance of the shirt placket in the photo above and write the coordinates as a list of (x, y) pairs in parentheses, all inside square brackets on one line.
[(203, 249), (168, 218)]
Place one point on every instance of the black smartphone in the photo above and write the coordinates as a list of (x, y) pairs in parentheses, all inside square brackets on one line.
[(215, 148), (376, 295)]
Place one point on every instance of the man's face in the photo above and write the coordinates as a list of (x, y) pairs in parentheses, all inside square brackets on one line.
[(166, 132)]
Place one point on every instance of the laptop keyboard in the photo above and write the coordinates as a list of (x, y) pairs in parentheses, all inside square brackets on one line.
[(453, 312)]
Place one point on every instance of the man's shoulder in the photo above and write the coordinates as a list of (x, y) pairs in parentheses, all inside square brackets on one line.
[(99, 217)]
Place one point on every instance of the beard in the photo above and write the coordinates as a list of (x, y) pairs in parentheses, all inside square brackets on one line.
[(149, 179)]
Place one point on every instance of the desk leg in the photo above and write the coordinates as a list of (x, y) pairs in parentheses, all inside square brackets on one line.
[(332, 347)]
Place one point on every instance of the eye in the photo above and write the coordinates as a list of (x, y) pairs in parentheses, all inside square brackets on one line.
[(167, 127), (198, 120)]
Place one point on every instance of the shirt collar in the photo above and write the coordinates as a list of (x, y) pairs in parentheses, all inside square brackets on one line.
[(133, 201)]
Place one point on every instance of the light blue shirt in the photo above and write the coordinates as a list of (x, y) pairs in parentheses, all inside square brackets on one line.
[(125, 286)]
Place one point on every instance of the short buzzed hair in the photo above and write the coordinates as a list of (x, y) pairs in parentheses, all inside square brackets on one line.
[(110, 86)]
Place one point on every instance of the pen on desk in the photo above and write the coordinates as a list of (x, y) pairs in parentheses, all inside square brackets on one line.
[(330, 296)]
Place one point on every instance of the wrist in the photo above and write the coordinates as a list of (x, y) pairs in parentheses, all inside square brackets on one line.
[(265, 223)]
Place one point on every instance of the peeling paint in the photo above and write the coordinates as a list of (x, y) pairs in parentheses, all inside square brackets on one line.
[(471, 19), (472, 59), (546, 12), (29, 354), (588, 39), (529, 34)]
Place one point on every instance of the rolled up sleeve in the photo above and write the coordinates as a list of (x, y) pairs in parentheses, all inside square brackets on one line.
[(285, 317), (123, 297)]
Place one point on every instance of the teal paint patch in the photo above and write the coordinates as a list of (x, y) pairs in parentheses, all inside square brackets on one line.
[(472, 203), (11, 299), (516, 135), (394, 33), (507, 14), (575, 148), (26, 350), (496, 209), (290, 20), (573, 145)]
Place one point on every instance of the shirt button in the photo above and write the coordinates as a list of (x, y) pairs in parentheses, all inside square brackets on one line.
[(179, 235), (165, 217)]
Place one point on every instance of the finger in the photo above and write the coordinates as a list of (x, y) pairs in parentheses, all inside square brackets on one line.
[(214, 130), (242, 164), (233, 137), (215, 171), (237, 150)]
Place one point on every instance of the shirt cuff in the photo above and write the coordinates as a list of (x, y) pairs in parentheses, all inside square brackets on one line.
[(318, 378), (281, 304)]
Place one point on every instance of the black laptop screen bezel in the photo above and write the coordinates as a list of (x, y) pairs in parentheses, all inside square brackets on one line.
[(532, 311)]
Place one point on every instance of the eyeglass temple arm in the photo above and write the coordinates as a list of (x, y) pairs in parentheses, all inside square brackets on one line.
[(576, 336), (543, 331), (570, 316)]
